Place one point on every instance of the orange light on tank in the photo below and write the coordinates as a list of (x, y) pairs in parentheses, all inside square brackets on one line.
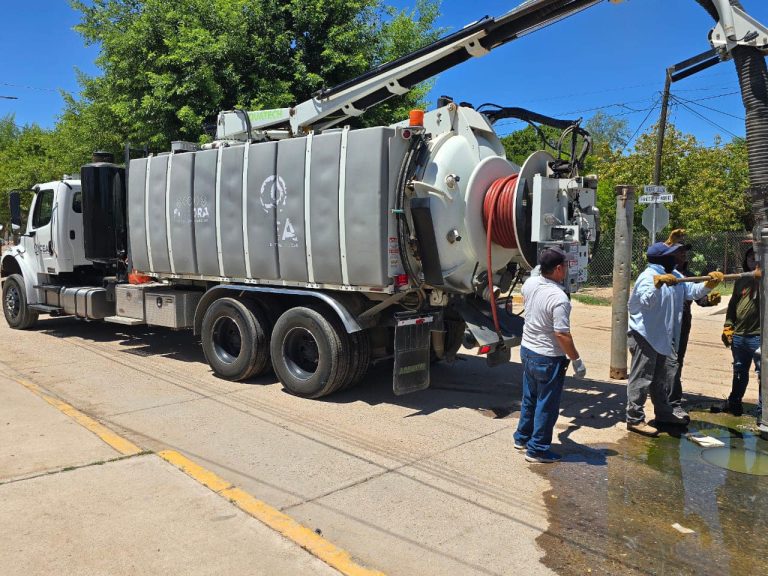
[(416, 118)]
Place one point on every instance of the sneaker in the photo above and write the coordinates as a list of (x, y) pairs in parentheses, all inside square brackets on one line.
[(519, 446), (728, 407), (547, 457), (642, 428)]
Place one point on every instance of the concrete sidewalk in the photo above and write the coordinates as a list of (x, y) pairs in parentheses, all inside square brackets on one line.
[(71, 504)]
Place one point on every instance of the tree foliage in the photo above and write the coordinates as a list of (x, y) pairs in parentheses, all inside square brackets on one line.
[(170, 67), (708, 182)]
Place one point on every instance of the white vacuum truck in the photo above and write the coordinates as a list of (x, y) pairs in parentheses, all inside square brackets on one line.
[(294, 245)]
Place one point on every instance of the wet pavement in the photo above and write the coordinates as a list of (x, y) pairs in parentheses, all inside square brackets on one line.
[(663, 505)]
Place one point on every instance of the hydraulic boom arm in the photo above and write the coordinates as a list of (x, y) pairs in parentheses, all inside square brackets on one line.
[(331, 106)]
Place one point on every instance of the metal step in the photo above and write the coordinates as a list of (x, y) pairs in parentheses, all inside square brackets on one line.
[(45, 309), (124, 320)]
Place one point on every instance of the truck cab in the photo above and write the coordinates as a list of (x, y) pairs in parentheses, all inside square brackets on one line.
[(49, 254), (52, 242)]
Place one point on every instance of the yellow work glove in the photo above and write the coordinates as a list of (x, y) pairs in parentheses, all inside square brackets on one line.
[(660, 279), (715, 279), (675, 237), (713, 298), (727, 335)]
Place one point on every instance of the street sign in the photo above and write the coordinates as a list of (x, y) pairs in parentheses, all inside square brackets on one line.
[(656, 198), (654, 189), (655, 218)]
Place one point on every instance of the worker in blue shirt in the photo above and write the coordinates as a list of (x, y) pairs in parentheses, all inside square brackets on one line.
[(655, 319)]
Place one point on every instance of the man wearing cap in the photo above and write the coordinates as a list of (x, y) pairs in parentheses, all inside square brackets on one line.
[(655, 317), (545, 349), (677, 236)]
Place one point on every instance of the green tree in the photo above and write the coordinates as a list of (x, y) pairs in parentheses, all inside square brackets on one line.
[(170, 67), (26, 159), (708, 182), (609, 134), (520, 144)]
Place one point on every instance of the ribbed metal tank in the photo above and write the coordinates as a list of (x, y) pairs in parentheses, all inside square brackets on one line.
[(306, 211)]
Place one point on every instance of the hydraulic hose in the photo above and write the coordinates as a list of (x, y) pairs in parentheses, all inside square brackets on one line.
[(499, 207), (753, 79)]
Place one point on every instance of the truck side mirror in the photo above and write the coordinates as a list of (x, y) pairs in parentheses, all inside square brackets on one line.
[(15, 205)]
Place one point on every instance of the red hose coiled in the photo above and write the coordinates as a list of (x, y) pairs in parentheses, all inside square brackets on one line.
[(499, 223), (499, 210)]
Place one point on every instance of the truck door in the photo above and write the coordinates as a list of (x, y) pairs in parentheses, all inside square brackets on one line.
[(67, 227), (40, 230)]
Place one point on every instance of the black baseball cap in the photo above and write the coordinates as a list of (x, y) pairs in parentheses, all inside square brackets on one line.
[(551, 257)]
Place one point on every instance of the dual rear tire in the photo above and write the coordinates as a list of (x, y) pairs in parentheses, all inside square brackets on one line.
[(314, 356), (235, 337), (311, 352)]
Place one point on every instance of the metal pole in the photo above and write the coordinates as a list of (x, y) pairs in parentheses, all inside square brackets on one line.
[(661, 130), (760, 235), (653, 224), (622, 272)]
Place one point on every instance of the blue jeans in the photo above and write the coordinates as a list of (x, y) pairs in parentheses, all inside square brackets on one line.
[(543, 378), (743, 349)]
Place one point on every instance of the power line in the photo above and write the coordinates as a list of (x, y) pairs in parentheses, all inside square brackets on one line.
[(715, 124), (714, 109), (28, 87), (641, 125)]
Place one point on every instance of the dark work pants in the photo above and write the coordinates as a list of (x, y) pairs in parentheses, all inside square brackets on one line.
[(650, 372)]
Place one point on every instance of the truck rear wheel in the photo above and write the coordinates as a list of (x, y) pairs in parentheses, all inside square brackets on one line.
[(235, 339), (454, 337), (308, 353), (17, 312), (361, 358)]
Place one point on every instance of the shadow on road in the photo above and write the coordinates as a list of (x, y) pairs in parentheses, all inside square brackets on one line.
[(467, 383), (136, 340)]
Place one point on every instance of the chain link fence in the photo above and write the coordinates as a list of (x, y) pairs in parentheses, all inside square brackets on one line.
[(723, 251)]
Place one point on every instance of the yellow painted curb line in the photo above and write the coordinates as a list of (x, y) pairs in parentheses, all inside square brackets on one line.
[(120, 444), (285, 525)]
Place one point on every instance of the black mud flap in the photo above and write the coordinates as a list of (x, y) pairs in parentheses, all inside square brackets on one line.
[(477, 314), (412, 347)]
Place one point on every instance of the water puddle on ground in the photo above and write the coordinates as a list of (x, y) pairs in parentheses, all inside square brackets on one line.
[(662, 505)]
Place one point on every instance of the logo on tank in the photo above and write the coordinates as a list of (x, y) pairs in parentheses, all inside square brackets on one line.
[(201, 210), (182, 212), (273, 196)]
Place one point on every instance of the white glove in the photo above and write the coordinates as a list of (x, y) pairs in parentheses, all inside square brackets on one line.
[(579, 370)]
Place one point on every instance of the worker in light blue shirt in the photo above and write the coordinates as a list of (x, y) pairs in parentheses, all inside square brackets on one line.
[(655, 319)]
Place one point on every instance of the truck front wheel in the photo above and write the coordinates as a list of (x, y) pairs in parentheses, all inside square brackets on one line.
[(307, 353), (17, 313), (235, 339)]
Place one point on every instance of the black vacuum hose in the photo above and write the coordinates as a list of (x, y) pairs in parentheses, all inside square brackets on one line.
[(753, 79)]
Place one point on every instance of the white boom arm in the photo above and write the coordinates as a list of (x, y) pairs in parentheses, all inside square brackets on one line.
[(329, 107)]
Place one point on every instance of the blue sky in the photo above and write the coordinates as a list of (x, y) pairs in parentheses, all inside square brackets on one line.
[(610, 57)]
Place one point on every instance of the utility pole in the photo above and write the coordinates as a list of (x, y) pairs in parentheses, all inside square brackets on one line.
[(673, 74), (622, 273), (662, 128)]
